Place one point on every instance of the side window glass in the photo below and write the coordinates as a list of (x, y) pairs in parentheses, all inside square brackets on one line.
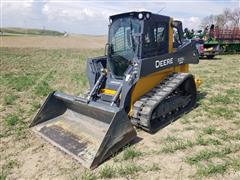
[(176, 38), (155, 35), (159, 34), (155, 39), (147, 38), (118, 39), (121, 40)]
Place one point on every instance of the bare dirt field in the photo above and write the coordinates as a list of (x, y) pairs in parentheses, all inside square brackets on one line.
[(203, 144), (54, 42)]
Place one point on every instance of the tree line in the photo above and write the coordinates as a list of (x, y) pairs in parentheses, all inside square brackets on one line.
[(227, 19)]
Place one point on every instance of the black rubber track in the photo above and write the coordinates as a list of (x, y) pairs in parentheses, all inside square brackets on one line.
[(174, 96)]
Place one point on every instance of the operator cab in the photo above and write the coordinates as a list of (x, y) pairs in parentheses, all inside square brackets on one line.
[(133, 36)]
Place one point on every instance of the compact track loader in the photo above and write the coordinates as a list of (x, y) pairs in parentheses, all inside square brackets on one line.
[(143, 81)]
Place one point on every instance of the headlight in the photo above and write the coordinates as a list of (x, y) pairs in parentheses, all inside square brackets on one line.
[(140, 16), (148, 15)]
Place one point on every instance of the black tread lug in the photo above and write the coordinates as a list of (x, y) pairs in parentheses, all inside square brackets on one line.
[(143, 108)]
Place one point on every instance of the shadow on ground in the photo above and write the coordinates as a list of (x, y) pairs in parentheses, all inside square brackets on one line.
[(210, 59)]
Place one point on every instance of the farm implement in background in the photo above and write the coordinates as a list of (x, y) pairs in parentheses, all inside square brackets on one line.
[(215, 40)]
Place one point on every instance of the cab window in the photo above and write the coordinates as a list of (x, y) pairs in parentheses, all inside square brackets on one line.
[(155, 39), (176, 38)]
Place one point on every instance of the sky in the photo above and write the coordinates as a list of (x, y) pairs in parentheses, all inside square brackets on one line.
[(91, 17)]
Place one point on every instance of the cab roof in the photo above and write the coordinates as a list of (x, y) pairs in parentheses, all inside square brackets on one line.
[(136, 13)]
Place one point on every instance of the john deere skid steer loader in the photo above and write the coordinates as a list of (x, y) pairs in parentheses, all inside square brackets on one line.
[(142, 81)]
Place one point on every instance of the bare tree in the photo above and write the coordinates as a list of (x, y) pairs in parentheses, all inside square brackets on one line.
[(235, 18), (208, 20), (229, 18), (227, 13), (220, 20)]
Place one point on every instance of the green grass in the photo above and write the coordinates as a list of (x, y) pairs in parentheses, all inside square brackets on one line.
[(190, 128), (42, 89), (170, 139), (206, 167), (202, 155), (3, 177), (220, 98), (211, 168), (80, 79), (19, 82), (20, 131), (209, 130), (222, 134), (7, 167), (224, 112), (154, 167), (234, 93), (235, 164), (172, 145), (177, 145), (9, 99), (15, 126), (88, 175), (123, 170), (35, 105), (12, 119), (236, 136), (206, 141), (107, 172), (237, 123), (207, 154), (184, 120), (20, 31), (130, 153), (128, 169)]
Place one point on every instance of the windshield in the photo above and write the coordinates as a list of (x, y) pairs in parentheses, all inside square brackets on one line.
[(123, 42)]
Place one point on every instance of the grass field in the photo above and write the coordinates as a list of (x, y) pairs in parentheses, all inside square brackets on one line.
[(10, 31), (204, 143)]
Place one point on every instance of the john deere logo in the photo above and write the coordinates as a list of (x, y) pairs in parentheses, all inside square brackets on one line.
[(162, 63)]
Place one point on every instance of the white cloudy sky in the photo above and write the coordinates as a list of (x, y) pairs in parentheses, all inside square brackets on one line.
[(91, 17)]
